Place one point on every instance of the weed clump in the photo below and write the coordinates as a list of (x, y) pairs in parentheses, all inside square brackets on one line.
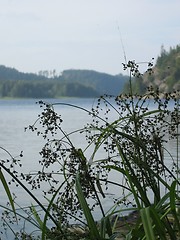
[(126, 137)]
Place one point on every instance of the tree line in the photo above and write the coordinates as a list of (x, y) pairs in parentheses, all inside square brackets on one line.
[(71, 83), (165, 74)]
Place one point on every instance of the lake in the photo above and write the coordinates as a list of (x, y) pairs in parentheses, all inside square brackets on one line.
[(15, 115)]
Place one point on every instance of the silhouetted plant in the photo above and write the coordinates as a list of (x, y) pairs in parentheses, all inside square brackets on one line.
[(125, 136), (133, 143)]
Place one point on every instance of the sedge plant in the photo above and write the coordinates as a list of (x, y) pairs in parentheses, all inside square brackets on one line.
[(127, 138)]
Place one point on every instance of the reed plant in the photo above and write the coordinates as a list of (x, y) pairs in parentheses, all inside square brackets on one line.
[(125, 137)]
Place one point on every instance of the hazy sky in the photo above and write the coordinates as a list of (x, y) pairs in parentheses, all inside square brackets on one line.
[(85, 34)]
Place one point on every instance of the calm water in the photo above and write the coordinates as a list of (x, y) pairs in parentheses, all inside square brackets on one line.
[(15, 115)]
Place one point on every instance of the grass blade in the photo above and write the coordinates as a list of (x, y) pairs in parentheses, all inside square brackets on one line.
[(173, 202), (6, 188), (90, 220), (147, 223), (37, 217)]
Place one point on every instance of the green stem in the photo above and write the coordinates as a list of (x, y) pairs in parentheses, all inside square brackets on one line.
[(30, 194)]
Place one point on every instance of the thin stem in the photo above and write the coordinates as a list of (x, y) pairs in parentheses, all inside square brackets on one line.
[(30, 194)]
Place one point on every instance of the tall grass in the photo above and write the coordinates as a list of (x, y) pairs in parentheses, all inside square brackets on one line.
[(132, 147)]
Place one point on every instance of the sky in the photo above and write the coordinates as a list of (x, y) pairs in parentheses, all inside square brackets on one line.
[(97, 35)]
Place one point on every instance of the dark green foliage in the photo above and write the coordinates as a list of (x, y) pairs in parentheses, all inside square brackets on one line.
[(168, 64), (25, 89), (166, 73), (167, 69), (102, 82), (80, 90), (72, 83), (7, 74)]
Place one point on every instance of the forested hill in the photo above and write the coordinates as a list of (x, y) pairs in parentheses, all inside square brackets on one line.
[(103, 83), (166, 72), (7, 73), (71, 83)]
